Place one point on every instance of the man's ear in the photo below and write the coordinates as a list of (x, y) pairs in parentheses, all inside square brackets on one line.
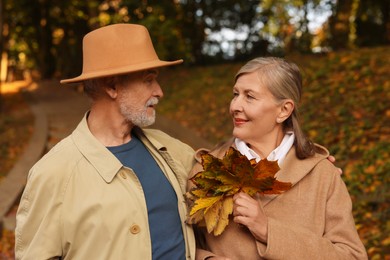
[(112, 92), (286, 109)]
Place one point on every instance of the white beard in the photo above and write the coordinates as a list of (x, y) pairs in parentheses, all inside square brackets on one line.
[(138, 116)]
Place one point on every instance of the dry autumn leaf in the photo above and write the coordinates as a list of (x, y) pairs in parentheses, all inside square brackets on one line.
[(212, 197)]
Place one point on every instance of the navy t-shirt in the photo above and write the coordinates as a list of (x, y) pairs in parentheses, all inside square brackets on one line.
[(164, 220)]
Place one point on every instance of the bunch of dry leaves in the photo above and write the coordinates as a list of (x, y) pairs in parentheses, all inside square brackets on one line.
[(211, 200)]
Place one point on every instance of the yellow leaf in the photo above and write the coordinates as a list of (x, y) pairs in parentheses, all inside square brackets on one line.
[(204, 203), (227, 209), (199, 193), (386, 241), (196, 217), (211, 216)]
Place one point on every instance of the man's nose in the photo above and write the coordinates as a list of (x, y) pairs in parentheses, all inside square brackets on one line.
[(158, 91)]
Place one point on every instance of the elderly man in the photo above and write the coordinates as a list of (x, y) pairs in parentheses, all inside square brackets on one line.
[(111, 190)]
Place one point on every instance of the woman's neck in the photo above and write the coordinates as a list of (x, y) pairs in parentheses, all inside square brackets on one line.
[(264, 146)]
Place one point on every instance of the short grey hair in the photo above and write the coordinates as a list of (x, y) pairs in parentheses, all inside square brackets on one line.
[(94, 88)]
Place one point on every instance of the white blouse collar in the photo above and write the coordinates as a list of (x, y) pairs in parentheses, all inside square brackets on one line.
[(278, 154)]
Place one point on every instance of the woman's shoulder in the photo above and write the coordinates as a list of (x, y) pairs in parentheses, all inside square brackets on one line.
[(218, 150), (321, 166), (320, 158), (315, 166), (321, 155), (321, 151)]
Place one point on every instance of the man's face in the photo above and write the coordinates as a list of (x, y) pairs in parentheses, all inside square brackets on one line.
[(138, 96)]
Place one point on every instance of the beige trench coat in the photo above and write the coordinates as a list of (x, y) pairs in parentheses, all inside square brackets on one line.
[(81, 203), (312, 220)]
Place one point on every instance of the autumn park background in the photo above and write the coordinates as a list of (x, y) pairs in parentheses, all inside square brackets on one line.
[(342, 47)]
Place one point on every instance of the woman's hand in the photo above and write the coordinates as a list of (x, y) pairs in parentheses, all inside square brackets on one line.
[(248, 212)]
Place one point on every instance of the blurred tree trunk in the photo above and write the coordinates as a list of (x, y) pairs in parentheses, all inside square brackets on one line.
[(193, 29), (70, 54), (1, 52), (306, 38), (372, 23), (69, 49), (42, 22), (386, 19), (339, 24)]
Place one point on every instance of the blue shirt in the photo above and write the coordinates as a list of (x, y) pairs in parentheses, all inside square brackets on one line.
[(164, 220)]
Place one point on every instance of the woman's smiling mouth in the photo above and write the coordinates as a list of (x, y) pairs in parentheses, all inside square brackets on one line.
[(239, 121)]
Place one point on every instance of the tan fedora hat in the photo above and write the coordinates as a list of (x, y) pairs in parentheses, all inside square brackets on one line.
[(118, 49)]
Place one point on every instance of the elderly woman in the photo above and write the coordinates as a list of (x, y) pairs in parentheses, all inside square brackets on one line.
[(313, 219)]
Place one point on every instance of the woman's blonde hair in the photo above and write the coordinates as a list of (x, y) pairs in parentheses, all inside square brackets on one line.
[(283, 79)]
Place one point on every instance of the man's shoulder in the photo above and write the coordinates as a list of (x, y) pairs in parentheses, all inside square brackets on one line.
[(61, 158)]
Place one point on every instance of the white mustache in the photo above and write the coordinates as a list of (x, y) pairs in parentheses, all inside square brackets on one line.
[(152, 101)]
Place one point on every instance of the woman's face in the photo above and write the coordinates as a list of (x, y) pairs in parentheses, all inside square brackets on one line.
[(254, 111)]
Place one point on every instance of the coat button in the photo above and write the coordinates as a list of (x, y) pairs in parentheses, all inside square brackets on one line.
[(135, 229), (123, 175)]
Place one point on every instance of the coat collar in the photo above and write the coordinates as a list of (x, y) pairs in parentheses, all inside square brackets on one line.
[(105, 163), (293, 170)]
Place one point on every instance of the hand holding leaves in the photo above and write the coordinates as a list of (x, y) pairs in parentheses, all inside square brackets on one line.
[(212, 197)]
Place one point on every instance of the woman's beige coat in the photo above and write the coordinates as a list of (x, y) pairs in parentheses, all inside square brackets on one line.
[(80, 202), (312, 220)]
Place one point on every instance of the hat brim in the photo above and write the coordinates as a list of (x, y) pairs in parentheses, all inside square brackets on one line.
[(121, 70)]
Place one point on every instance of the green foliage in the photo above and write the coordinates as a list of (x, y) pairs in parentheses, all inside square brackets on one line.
[(345, 107)]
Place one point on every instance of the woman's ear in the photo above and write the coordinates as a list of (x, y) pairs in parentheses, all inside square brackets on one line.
[(286, 109)]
